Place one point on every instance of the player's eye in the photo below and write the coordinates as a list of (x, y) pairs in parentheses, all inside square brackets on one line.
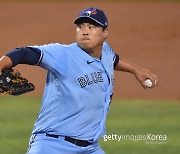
[(91, 26), (80, 26)]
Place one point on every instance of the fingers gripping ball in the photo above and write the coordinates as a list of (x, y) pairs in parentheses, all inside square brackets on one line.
[(148, 83), (12, 83)]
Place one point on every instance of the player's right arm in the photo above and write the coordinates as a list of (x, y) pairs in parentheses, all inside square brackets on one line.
[(5, 63), (23, 55)]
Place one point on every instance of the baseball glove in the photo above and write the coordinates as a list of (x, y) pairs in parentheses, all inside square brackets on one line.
[(12, 83)]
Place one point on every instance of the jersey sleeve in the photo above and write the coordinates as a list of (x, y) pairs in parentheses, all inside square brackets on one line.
[(116, 60), (115, 55), (53, 57)]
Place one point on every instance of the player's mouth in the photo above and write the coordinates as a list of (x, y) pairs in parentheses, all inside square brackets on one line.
[(85, 39)]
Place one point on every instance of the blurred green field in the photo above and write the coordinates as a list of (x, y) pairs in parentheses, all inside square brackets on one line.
[(126, 117)]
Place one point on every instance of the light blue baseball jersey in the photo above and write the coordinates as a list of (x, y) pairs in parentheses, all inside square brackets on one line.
[(77, 92)]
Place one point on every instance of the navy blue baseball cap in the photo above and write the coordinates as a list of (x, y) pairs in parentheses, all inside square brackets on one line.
[(94, 14)]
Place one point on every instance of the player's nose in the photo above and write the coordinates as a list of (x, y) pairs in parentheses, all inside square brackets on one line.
[(85, 31), (85, 34)]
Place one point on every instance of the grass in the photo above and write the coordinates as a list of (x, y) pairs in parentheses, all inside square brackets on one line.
[(17, 116), (137, 117), (126, 117)]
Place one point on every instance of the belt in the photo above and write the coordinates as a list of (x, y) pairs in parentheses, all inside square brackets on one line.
[(81, 143)]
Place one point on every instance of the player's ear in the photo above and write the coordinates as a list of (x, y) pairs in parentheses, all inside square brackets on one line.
[(105, 33)]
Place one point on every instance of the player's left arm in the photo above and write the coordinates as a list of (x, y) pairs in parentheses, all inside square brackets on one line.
[(141, 74)]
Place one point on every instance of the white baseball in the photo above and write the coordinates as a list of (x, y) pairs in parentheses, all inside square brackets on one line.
[(148, 83)]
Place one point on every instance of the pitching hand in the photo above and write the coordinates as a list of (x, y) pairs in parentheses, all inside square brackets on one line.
[(143, 74)]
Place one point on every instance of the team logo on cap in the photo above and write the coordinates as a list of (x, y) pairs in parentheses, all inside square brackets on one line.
[(90, 12)]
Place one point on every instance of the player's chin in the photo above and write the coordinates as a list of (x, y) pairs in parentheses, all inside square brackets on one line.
[(85, 46)]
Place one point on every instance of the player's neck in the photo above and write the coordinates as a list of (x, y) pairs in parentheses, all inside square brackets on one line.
[(96, 53)]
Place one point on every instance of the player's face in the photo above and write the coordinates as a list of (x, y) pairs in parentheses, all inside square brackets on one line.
[(90, 37)]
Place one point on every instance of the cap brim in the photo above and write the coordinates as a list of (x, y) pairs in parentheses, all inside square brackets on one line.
[(80, 18)]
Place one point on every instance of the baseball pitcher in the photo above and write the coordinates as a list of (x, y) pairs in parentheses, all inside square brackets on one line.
[(79, 87)]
